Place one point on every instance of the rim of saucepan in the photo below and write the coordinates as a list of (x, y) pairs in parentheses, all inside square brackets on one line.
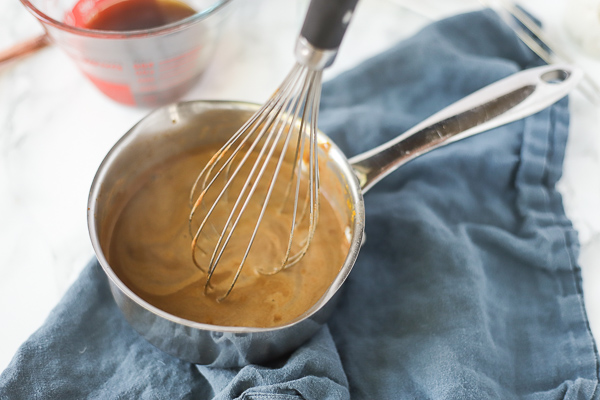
[(163, 29), (333, 152)]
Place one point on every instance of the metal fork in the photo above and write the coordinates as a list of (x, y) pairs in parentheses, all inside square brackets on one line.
[(534, 37)]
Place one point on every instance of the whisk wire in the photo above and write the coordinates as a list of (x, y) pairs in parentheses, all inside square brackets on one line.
[(313, 177), (260, 115), (292, 110), (256, 120), (308, 114), (279, 125)]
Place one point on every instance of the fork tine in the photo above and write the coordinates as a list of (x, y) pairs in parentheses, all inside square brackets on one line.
[(533, 36)]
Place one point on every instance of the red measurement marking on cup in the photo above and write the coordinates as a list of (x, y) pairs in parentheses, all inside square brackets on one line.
[(193, 50), (169, 63), (182, 67), (144, 72), (103, 64), (180, 72), (118, 92), (149, 65), (180, 59), (177, 69), (145, 76)]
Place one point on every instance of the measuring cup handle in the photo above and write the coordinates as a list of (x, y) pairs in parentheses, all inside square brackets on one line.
[(518, 96), (23, 48)]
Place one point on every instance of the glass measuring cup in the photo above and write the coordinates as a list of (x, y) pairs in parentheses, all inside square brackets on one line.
[(144, 68)]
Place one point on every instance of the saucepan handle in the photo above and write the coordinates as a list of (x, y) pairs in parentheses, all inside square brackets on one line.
[(517, 96)]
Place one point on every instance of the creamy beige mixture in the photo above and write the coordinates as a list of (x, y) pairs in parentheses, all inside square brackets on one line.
[(150, 251)]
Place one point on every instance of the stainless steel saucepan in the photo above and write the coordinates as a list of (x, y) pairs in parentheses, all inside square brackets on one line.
[(181, 127)]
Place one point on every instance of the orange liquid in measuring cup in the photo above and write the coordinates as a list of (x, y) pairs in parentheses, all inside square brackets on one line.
[(129, 15)]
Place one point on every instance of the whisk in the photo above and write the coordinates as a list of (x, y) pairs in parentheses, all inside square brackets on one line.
[(248, 168)]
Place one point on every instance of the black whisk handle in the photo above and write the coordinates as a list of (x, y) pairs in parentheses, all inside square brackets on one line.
[(326, 22)]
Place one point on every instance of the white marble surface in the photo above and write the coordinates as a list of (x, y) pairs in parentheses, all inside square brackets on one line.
[(55, 128)]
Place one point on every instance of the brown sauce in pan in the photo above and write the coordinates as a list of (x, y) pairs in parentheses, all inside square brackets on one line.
[(150, 252)]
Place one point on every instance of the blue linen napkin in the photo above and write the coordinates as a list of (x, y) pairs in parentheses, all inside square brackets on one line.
[(467, 287)]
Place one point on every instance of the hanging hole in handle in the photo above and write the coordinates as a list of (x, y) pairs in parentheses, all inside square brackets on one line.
[(556, 76)]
